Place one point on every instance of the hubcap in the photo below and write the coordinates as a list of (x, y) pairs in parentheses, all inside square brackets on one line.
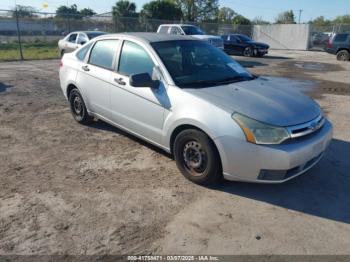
[(77, 105), (195, 157)]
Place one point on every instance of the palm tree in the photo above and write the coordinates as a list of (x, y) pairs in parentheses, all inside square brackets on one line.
[(124, 8)]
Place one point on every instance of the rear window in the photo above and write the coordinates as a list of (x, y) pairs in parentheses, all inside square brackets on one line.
[(341, 38), (102, 54), (164, 29)]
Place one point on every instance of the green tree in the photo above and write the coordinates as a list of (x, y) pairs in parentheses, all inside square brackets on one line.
[(87, 12), (161, 9), (68, 11), (240, 20), (226, 15), (24, 11), (199, 10), (286, 17), (320, 21), (124, 8), (259, 21), (344, 19)]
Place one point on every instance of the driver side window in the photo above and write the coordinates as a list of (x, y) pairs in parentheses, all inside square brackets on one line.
[(134, 60)]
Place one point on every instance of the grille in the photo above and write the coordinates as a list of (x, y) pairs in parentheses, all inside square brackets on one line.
[(307, 128)]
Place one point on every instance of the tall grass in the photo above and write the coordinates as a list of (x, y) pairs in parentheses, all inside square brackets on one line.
[(31, 50)]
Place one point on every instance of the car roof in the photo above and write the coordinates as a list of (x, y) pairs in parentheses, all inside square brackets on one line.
[(149, 37), (177, 25), (89, 32)]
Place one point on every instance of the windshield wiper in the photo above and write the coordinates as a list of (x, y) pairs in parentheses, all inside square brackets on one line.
[(208, 83)]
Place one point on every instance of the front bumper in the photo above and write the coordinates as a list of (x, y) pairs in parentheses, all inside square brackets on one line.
[(243, 161), (262, 51)]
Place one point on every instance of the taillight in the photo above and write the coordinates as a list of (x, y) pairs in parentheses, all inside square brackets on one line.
[(329, 45)]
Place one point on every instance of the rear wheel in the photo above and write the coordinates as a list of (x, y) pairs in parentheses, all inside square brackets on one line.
[(78, 107), (343, 55), (62, 53), (197, 158)]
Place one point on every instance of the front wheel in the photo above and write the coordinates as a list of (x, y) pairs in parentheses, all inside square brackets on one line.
[(197, 158), (78, 108), (248, 51)]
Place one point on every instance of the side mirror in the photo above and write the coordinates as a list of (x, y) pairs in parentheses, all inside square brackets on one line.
[(143, 80), (82, 43)]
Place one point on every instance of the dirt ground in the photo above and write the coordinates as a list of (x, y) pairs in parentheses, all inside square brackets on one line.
[(72, 189)]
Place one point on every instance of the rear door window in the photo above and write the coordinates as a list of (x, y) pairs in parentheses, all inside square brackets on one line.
[(134, 60), (103, 53), (72, 38), (175, 30), (341, 38)]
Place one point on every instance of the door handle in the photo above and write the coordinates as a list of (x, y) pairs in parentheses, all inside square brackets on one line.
[(119, 81), (85, 68)]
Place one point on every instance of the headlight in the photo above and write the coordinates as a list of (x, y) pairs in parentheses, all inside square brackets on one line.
[(260, 133)]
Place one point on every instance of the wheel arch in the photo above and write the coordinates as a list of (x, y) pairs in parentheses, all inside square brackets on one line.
[(343, 48), (69, 89)]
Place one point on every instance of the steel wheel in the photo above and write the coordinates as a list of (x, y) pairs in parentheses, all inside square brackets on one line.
[(195, 158), (78, 108)]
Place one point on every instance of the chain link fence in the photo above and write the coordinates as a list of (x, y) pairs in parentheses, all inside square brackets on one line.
[(36, 37)]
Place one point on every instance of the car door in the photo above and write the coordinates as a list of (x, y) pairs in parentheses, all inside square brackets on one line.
[(71, 43), (138, 109), (235, 45), (94, 76)]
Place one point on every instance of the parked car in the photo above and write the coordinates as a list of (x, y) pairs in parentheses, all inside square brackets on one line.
[(339, 45), (76, 39), (238, 44), (192, 100), (195, 31)]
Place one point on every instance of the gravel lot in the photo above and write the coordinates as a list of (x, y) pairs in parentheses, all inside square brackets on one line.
[(72, 189)]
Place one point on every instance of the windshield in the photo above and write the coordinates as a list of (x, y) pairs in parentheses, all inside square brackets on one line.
[(196, 64), (192, 30), (94, 34), (244, 38)]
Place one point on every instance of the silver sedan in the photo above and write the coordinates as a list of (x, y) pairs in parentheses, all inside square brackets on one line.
[(195, 102)]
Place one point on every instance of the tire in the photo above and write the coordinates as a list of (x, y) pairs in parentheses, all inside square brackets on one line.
[(197, 157), (248, 51), (343, 55), (78, 108), (62, 53)]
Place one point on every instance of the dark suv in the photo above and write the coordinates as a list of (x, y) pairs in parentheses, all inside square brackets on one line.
[(339, 45), (238, 44)]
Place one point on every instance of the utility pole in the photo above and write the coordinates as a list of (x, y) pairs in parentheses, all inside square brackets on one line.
[(300, 11), (18, 32)]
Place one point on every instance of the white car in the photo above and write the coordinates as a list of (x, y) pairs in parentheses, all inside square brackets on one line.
[(194, 31), (76, 39), (194, 101)]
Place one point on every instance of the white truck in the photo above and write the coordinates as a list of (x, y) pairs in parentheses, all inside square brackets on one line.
[(194, 31)]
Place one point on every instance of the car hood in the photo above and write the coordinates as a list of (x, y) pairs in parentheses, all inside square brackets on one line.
[(265, 100), (203, 37)]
